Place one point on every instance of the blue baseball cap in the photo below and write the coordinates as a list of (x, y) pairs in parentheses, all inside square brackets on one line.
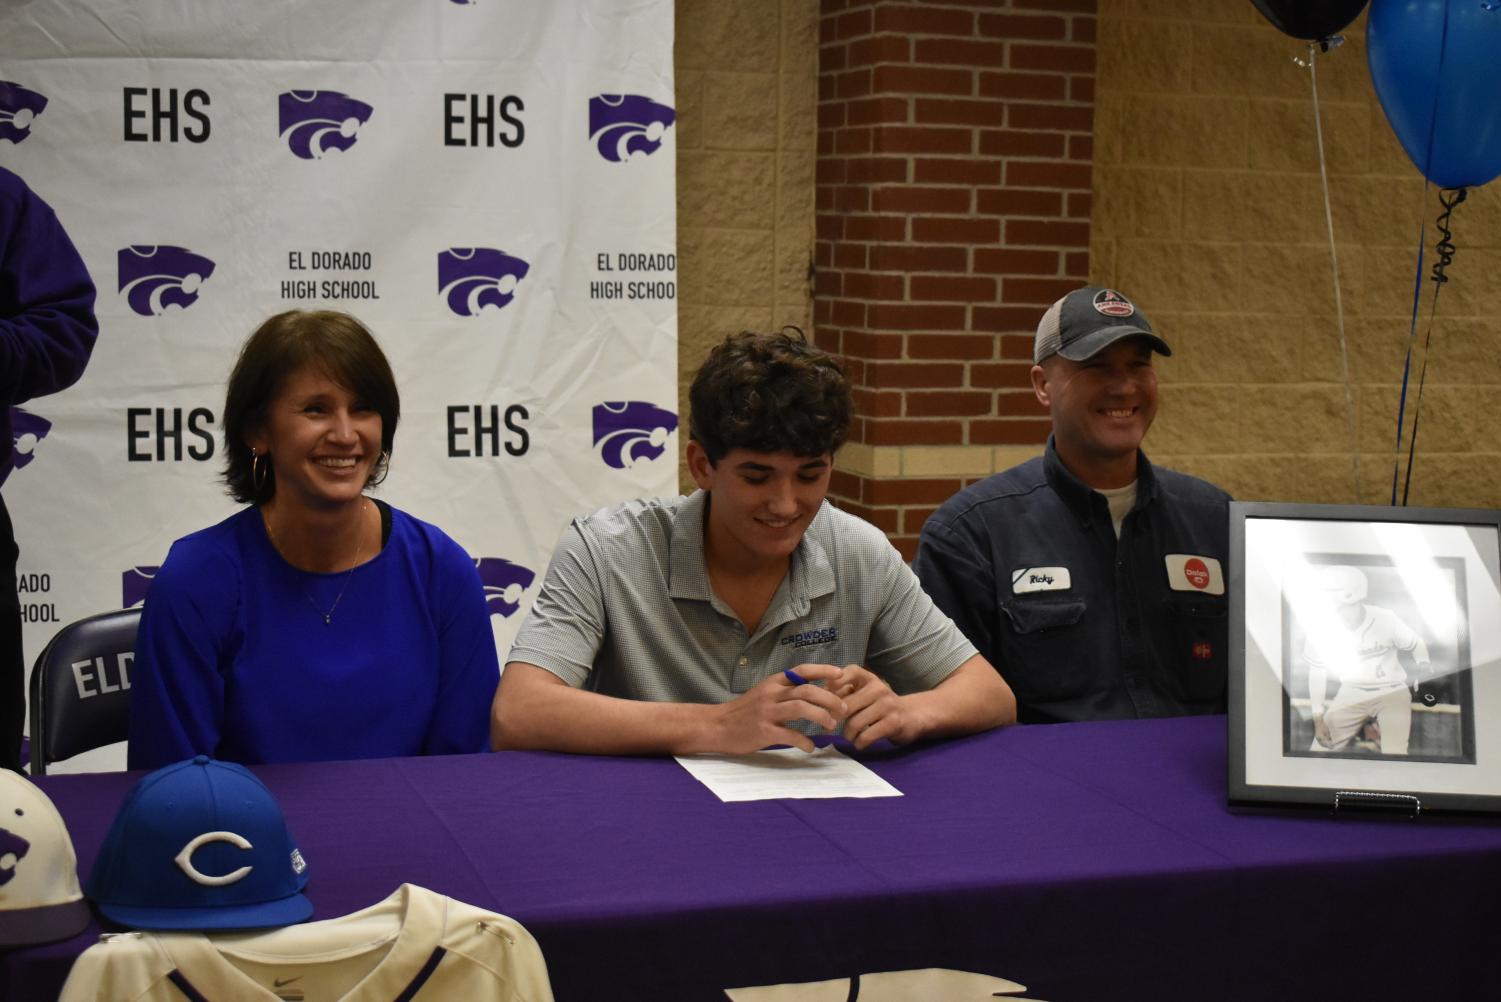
[(200, 844)]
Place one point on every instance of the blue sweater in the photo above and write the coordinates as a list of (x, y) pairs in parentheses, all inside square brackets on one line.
[(233, 660), (47, 325)]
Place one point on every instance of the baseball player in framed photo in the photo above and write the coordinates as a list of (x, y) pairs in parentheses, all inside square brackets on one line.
[(1360, 647)]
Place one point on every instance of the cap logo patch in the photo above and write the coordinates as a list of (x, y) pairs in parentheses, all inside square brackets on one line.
[(184, 859), (13, 849), (1113, 304)]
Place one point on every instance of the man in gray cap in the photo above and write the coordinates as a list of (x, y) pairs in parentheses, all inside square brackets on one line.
[(1091, 579)]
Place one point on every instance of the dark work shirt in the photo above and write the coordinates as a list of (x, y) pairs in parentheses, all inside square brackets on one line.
[(1082, 626)]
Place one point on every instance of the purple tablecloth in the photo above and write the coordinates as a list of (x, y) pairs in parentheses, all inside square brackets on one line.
[(1088, 861)]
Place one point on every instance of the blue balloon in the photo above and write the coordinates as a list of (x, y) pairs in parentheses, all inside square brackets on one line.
[(1434, 65)]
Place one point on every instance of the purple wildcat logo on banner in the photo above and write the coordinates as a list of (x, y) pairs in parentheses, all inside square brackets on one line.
[(473, 279), (628, 431), (19, 107), (26, 430), (155, 279), (622, 125), (505, 583), (316, 122), (135, 583)]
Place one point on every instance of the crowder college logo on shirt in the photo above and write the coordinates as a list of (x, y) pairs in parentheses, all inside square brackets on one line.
[(19, 108), (811, 638), (157, 278), (623, 125), (314, 123), (628, 431)]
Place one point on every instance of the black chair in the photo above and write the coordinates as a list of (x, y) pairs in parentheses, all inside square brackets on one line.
[(80, 687)]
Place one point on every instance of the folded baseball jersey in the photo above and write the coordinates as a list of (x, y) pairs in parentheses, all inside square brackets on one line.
[(415, 945)]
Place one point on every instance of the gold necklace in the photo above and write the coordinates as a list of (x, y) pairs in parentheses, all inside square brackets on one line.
[(328, 617)]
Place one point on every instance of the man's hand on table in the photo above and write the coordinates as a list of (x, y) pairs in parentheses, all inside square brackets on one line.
[(759, 718), (875, 712)]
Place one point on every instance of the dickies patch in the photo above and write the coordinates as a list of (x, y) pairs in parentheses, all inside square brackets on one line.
[(1189, 572), (1027, 579), (1203, 651)]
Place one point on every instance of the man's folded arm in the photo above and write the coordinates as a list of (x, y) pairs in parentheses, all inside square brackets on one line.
[(973, 698)]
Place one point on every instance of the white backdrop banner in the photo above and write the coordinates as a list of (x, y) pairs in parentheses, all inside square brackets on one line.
[(489, 186)]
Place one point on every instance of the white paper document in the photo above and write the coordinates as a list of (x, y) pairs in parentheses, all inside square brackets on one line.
[(890, 986), (786, 774)]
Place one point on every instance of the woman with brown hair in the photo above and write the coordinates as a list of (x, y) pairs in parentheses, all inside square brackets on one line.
[(318, 622)]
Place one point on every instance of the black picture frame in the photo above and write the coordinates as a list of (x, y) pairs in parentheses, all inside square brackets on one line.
[(1383, 625)]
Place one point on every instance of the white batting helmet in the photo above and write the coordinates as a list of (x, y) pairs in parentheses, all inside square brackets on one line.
[(1346, 585)]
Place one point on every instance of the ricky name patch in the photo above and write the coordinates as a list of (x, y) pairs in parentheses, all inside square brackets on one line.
[(1025, 579), (1187, 572)]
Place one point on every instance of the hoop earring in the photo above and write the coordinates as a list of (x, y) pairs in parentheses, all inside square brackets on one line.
[(260, 471), (383, 464)]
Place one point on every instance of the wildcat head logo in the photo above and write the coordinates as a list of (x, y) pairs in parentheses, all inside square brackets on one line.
[(505, 584), (474, 279), (13, 849), (156, 279), (19, 108), (26, 431), (622, 125), (135, 583), (315, 123), (628, 431)]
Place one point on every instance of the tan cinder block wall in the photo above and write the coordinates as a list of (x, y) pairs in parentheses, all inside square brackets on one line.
[(747, 92), (1209, 210)]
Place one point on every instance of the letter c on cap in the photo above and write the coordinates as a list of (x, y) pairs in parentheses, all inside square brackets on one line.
[(184, 859)]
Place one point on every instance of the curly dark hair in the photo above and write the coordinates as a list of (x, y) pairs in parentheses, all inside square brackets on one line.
[(769, 393), (333, 342)]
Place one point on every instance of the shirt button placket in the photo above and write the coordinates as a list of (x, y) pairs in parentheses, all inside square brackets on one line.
[(742, 680), (1129, 630)]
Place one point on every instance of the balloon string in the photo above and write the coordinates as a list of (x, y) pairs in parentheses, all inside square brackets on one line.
[(1412, 334), (1412, 337), (1445, 249), (1339, 307)]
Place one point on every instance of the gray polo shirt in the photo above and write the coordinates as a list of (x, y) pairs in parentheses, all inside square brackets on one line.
[(627, 610)]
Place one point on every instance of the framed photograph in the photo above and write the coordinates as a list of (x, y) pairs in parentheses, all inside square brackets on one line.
[(1365, 659)]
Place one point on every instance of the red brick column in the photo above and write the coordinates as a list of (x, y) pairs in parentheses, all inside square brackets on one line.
[(953, 200)]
